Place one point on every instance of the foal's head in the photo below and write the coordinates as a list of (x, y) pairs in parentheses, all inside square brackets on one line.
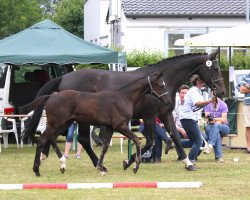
[(159, 88)]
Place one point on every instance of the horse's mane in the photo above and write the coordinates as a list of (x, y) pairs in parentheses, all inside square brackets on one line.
[(173, 59), (130, 83)]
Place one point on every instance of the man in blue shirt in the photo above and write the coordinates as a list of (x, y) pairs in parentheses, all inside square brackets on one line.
[(244, 88)]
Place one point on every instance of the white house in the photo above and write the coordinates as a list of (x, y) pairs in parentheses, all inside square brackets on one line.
[(157, 24)]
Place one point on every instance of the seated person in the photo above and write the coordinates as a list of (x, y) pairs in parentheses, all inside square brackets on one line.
[(217, 127), (159, 136)]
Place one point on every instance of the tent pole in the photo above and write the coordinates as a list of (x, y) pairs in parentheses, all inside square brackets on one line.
[(230, 56), (247, 11)]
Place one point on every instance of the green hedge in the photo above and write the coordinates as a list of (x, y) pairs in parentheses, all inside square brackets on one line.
[(136, 58)]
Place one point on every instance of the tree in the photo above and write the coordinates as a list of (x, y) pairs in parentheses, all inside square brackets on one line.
[(69, 14), (17, 15), (48, 7)]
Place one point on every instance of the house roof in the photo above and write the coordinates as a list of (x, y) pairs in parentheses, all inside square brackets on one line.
[(184, 8)]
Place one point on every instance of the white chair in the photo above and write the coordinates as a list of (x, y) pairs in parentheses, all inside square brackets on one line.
[(5, 132), (41, 126)]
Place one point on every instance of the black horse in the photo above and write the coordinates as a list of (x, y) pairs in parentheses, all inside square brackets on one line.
[(111, 108), (178, 70)]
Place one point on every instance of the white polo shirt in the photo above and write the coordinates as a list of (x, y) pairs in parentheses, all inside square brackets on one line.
[(193, 95)]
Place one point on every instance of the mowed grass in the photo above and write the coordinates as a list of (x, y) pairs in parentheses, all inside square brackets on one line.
[(220, 181)]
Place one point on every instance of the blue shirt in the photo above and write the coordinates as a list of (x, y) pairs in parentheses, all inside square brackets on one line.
[(246, 80), (193, 95)]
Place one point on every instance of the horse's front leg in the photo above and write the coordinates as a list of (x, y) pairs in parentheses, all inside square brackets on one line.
[(84, 140), (149, 124), (124, 129), (107, 137), (169, 123)]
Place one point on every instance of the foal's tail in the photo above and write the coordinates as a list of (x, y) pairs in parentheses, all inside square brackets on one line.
[(37, 105)]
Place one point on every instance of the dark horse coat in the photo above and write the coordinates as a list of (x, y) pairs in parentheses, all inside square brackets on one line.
[(111, 108), (178, 70)]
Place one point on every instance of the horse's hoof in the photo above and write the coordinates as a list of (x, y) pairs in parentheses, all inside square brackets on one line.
[(103, 173), (62, 170), (135, 170), (104, 169), (191, 168), (37, 174), (125, 164)]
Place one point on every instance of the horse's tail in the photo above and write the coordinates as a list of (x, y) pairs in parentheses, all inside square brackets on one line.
[(38, 104), (50, 87)]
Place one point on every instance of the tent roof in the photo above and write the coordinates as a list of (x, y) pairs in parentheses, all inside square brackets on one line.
[(229, 37), (47, 42)]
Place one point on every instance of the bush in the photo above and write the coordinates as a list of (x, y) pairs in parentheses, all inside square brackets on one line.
[(138, 58)]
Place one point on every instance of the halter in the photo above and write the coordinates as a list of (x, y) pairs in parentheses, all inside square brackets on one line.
[(154, 92), (209, 64), (213, 86)]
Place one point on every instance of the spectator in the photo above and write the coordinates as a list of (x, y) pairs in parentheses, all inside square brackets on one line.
[(159, 136), (217, 127), (69, 141), (186, 143), (244, 88), (189, 118), (98, 139)]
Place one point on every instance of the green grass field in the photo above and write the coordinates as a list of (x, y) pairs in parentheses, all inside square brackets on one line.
[(220, 181)]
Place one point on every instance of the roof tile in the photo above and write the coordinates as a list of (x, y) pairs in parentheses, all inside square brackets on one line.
[(226, 8)]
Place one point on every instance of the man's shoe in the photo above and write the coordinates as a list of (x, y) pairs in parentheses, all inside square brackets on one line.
[(207, 150), (168, 146), (219, 160), (157, 160)]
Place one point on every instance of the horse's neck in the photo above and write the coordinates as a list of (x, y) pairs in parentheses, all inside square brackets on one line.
[(178, 71), (135, 91)]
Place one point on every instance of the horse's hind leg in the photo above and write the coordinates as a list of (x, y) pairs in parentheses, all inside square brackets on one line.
[(40, 144), (84, 140), (45, 152), (62, 159), (107, 137)]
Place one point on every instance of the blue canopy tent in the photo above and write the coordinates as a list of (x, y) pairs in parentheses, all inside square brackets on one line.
[(47, 42)]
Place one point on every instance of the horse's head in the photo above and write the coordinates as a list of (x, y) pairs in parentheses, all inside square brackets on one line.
[(159, 88), (210, 73)]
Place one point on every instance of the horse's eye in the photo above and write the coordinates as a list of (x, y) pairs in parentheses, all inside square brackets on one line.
[(163, 83)]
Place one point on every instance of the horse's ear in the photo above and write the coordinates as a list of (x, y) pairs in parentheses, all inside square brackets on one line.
[(162, 73), (213, 55)]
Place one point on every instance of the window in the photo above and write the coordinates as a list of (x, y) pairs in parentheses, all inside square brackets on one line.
[(174, 50)]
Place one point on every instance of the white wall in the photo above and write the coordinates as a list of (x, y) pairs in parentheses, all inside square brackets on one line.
[(92, 20), (145, 33), (150, 33), (95, 28)]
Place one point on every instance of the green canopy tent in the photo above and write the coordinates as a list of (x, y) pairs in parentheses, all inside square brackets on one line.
[(47, 42)]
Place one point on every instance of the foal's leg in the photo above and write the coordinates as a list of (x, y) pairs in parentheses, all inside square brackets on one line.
[(45, 152), (62, 159), (84, 140), (169, 123), (107, 137), (149, 124), (124, 129), (40, 144)]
